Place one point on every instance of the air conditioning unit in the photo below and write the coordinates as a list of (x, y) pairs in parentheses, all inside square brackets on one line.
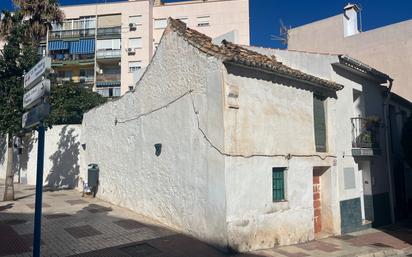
[(132, 26), (130, 51)]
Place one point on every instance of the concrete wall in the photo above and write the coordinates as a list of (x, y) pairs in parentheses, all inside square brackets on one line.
[(61, 162), (144, 30), (225, 16), (387, 48), (183, 186)]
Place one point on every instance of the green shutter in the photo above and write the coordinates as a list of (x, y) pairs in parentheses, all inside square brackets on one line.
[(319, 123), (278, 184)]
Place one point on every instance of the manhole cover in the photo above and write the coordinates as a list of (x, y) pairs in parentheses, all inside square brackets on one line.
[(140, 250), (12, 222)]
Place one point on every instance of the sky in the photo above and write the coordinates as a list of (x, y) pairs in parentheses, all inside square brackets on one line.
[(265, 15)]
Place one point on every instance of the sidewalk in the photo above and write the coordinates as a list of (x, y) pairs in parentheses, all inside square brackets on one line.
[(76, 226)]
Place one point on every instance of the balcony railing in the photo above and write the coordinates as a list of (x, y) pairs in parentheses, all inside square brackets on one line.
[(112, 32), (365, 132), (108, 54), (108, 77), (75, 33), (58, 59)]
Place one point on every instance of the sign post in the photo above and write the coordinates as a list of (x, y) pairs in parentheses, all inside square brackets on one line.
[(37, 111)]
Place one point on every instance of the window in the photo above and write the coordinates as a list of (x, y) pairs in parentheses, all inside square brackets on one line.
[(109, 92), (108, 44), (160, 23), (135, 66), (203, 21), (278, 184), (319, 118), (135, 20), (135, 42)]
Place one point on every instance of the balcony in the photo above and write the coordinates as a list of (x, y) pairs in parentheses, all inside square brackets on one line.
[(75, 59), (108, 54), (108, 80), (112, 32), (365, 136), (72, 34)]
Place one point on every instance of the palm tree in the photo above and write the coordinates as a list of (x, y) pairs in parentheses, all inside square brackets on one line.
[(40, 16)]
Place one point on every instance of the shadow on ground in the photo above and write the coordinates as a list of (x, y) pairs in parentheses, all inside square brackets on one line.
[(173, 245), (402, 230)]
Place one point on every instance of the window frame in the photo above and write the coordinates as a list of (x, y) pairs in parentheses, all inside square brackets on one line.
[(320, 148), (279, 181)]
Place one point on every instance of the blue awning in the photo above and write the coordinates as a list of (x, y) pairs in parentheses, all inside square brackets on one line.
[(58, 45), (83, 46)]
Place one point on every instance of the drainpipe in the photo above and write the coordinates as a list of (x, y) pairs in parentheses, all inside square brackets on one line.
[(388, 149)]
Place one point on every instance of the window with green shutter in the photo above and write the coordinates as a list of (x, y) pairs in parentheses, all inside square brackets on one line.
[(278, 184), (319, 122)]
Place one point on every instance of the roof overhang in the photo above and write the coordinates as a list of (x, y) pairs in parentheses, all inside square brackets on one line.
[(363, 70)]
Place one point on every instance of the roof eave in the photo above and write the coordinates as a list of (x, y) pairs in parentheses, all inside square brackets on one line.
[(352, 65), (308, 82)]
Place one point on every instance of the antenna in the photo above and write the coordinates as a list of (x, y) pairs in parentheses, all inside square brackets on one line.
[(283, 33)]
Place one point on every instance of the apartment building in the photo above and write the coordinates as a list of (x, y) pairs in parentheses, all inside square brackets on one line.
[(107, 46)]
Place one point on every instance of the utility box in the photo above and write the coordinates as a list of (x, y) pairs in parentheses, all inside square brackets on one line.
[(93, 175)]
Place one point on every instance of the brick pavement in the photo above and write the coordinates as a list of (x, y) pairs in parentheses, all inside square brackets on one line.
[(76, 226)]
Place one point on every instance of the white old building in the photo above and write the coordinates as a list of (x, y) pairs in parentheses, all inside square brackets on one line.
[(245, 148)]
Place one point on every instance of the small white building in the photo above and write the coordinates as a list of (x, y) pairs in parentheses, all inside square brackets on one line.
[(245, 149)]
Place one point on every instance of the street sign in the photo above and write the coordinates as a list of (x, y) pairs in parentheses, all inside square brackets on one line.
[(35, 115), (35, 95), (36, 73)]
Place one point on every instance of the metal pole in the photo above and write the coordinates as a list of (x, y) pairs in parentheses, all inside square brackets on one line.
[(39, 192)]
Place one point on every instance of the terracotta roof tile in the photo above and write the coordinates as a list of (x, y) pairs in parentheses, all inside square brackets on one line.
[(233, 53)]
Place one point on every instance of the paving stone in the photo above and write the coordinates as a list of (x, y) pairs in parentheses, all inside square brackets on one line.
[(58, 195), (82, 231), (318, 245), (12, 222), (74, 202), (288, 254), (128, 224), (11, 242), (32, 205), (57, 216)]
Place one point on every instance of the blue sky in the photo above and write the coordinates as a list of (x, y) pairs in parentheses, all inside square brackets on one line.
[(265, 14)]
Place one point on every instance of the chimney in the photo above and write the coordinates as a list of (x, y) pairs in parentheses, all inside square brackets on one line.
[(350, 20)]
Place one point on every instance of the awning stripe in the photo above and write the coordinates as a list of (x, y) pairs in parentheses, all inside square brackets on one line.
[(83, 46), (58, 45)]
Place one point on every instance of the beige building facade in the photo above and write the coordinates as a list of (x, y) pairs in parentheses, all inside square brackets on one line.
[(107, 46), (387, 48)]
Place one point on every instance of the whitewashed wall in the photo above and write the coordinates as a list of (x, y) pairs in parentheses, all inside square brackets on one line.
[(183, 187), (275, 117), (61, 158)]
